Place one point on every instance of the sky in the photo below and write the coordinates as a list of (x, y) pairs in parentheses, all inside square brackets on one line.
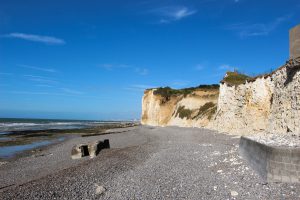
[(76, 59)]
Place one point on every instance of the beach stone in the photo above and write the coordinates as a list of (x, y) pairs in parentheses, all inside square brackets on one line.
[(234, 193), (100, 189)]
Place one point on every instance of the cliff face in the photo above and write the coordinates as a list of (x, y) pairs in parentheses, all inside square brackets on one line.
[(244, 108), (269, 103), (194, 109), (285, 109)]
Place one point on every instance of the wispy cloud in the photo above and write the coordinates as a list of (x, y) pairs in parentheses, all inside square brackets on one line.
[(245, 30), (43, 85), (38, 93), (226, 67), (142, 71), (34, 76), (139, 87), (114, 66), (200, 67), (172, 13), (179, 83), (71, 91), (138, 70), (39, 68), (37, 38), (5, 74), (40, 79)]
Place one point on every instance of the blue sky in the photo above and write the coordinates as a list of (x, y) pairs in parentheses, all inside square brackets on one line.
[(92, 59)]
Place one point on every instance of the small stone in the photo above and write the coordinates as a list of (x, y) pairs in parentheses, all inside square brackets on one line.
[(100, 189), (220, 171), (215, 188), (234, 193)]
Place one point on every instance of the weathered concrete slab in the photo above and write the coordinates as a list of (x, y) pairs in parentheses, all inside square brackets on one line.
[(273, 164), (295, 42), (91, 149)]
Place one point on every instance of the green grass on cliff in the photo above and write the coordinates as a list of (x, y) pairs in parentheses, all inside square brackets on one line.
[(182, 112), (235, 78), (167, 92), (208, 109)]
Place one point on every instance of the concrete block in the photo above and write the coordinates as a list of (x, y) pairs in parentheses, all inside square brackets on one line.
[(286, 159), (276, 178), (275, 164), (294, 179), (295, 42), (286, 179), (290, 167), (91, 149)]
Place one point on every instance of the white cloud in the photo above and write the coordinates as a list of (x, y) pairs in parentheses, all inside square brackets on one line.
[(40, 79), (37, 38), (38, 68), (34, 76), (43, 85), (245, 30), (5, 74), (226, 67), (37, 93), (179, 83), (142, 71), (70, 91), (139, 87), (138, 70), (114, 66), (173, 13), (199, 67)]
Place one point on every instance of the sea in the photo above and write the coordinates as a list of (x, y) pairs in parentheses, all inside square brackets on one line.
[(9, 125)]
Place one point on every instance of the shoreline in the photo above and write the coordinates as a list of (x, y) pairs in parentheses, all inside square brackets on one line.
[(51, 137)]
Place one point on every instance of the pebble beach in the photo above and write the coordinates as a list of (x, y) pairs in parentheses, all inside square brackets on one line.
[(143, 163)]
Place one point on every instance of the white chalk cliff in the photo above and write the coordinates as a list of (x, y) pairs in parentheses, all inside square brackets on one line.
[(269, 103)]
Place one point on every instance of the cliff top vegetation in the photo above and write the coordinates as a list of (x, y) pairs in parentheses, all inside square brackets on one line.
[(235, 78), (167, 92)]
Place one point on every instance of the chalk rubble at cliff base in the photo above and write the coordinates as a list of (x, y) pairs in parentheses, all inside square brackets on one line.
[(285, 140)]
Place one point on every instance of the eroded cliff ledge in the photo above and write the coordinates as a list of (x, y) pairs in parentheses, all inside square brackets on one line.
[(243, 105)]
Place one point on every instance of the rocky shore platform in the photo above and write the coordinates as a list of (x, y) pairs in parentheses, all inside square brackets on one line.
[(143, 163)]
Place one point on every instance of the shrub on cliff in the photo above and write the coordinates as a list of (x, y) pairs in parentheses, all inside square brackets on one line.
[(208, 109), (235, 78), (167, 92), (182, 112)]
